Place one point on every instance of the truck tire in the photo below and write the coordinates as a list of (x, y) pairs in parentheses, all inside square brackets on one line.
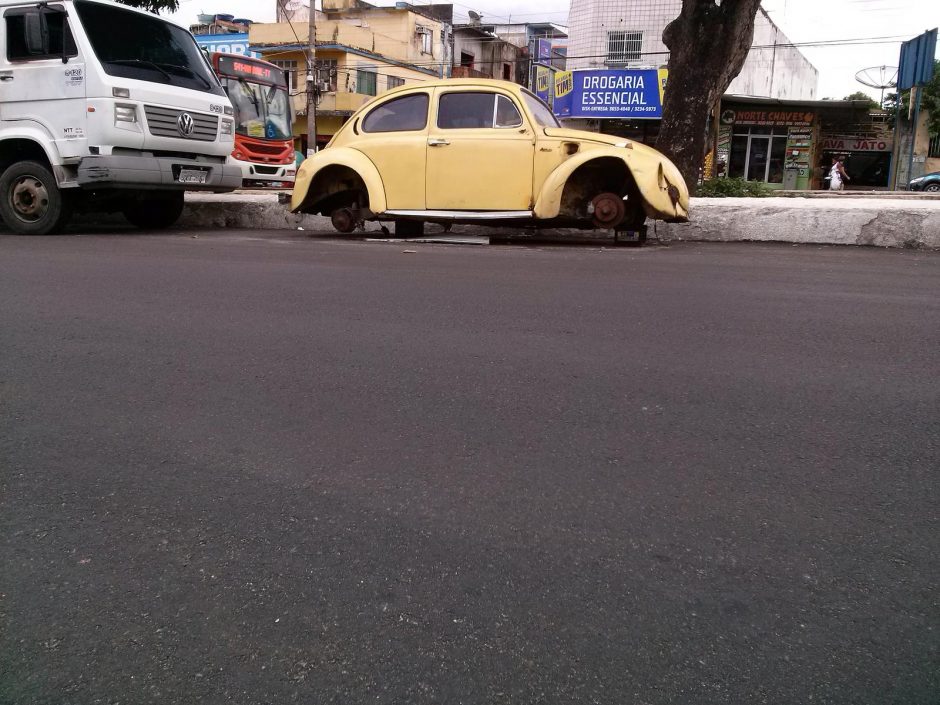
[(155, 212), (31, 202)]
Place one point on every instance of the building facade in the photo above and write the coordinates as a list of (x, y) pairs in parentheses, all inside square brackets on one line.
[(481, 54), (362, 50), (614, 34)]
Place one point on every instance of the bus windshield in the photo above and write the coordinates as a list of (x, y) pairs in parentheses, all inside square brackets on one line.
[(135, 45), (258, 92)]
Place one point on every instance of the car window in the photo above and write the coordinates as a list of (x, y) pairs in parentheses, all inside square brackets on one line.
[(475, 110), (403, 114), (540, 111), (507, 115)]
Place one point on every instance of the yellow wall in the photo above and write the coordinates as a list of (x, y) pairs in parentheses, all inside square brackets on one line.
[(386, 32), (922, 145)]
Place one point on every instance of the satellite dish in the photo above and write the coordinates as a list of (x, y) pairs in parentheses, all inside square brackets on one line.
[(880, 77), (475, 16)]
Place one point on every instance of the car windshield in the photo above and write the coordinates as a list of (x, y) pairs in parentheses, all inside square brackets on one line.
[(541, 113), (134, 45), (260, 111)]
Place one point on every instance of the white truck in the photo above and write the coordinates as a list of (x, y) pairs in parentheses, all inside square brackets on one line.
[(105, 108)]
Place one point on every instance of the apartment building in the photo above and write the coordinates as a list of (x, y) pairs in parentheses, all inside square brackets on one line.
[(362, 50), (608, 34)]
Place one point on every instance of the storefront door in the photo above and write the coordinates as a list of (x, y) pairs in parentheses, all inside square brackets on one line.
[(758, 153)]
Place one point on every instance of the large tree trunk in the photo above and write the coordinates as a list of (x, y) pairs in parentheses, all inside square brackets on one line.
[(708, 43)]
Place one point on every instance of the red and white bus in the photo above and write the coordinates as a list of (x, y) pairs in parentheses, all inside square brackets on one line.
[(264, 119)]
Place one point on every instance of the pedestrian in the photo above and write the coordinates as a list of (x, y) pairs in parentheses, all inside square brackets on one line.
[(837, 175)]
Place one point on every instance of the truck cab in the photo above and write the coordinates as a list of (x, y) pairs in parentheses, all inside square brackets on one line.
[(104, 107)]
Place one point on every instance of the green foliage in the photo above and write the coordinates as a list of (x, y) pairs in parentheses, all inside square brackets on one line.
[(733, 188), (153, 5), (860, 95)]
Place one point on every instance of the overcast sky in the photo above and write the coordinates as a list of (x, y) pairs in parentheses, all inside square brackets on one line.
[(881, 24)]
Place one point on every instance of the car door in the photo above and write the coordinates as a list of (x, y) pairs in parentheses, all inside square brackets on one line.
[(393, 134), (42, 75), (480, 152)]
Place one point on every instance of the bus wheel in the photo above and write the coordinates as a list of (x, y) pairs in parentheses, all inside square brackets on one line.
[(30, 200), (155, 211)]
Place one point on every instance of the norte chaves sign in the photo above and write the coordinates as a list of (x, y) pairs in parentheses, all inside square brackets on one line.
[(610, 93)]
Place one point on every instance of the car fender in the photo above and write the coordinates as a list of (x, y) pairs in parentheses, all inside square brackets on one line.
[(338, 156), (653, 174)]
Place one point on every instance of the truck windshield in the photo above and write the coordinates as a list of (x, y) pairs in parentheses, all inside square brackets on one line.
[(133, 45), (261, 111)]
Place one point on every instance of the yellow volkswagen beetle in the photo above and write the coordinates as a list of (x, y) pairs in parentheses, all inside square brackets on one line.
[(482, 151)]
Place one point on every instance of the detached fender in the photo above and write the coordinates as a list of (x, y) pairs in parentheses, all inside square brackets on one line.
[(308, 189), (665, 196)]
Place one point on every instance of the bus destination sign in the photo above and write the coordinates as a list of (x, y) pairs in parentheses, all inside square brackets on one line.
[(250, 70)]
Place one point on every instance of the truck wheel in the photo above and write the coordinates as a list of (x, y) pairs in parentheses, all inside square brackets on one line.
[(409, 228), (155, 212), (30, 200)]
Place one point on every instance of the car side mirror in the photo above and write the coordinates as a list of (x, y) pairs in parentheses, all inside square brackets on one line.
[(37, 33)]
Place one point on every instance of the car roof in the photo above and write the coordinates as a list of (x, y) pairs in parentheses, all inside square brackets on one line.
[(465, 82)]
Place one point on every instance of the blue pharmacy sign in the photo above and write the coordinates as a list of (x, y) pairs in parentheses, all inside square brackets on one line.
[(226, 43), (612, 93)]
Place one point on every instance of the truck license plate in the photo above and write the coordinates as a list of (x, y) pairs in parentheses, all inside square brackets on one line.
[(193, 176)]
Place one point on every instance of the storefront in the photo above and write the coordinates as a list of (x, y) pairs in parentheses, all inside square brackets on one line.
[(868, 158), (791, 144), (774, 146)]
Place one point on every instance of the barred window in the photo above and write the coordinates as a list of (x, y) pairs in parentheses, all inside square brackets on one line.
[(934, 150), (290, 70), (395, 82), (326, 72), (624, 47)]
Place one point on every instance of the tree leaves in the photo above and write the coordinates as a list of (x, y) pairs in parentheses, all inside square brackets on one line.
[(154, 6)]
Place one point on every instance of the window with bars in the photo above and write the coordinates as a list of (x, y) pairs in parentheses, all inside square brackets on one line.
[(290, 69), (326, 72), (395, 82), (624, 47), (934, 150), (365, 82)]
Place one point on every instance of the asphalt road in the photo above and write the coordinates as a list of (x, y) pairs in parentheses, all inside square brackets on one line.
[(242, 469)]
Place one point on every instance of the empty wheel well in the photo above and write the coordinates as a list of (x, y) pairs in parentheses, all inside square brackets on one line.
[(603, 175), (335, 187), (21, 150)]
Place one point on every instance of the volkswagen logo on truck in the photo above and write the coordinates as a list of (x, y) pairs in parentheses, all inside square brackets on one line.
[(185, 124)]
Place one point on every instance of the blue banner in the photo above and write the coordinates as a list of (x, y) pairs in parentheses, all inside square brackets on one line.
[(226, 43), (543, 82), (543, 51), (612, 93), (917, 57)]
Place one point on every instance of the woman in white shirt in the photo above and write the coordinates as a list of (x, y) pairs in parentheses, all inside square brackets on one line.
[(837, 175)]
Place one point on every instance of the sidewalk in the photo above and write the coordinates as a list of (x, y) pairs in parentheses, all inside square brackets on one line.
[(881, 222)]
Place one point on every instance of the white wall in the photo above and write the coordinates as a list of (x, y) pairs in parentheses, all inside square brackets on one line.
[(770, 73)]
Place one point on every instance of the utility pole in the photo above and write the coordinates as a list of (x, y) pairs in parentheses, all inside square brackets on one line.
[(312, 82)]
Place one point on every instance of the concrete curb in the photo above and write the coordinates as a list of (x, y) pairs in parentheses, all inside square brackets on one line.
[(858, 221), (879, 223)]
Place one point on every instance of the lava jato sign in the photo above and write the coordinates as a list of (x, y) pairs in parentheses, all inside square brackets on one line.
[(613, 93)]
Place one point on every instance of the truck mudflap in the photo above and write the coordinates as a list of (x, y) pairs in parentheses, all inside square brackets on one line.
[(130, 171)]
